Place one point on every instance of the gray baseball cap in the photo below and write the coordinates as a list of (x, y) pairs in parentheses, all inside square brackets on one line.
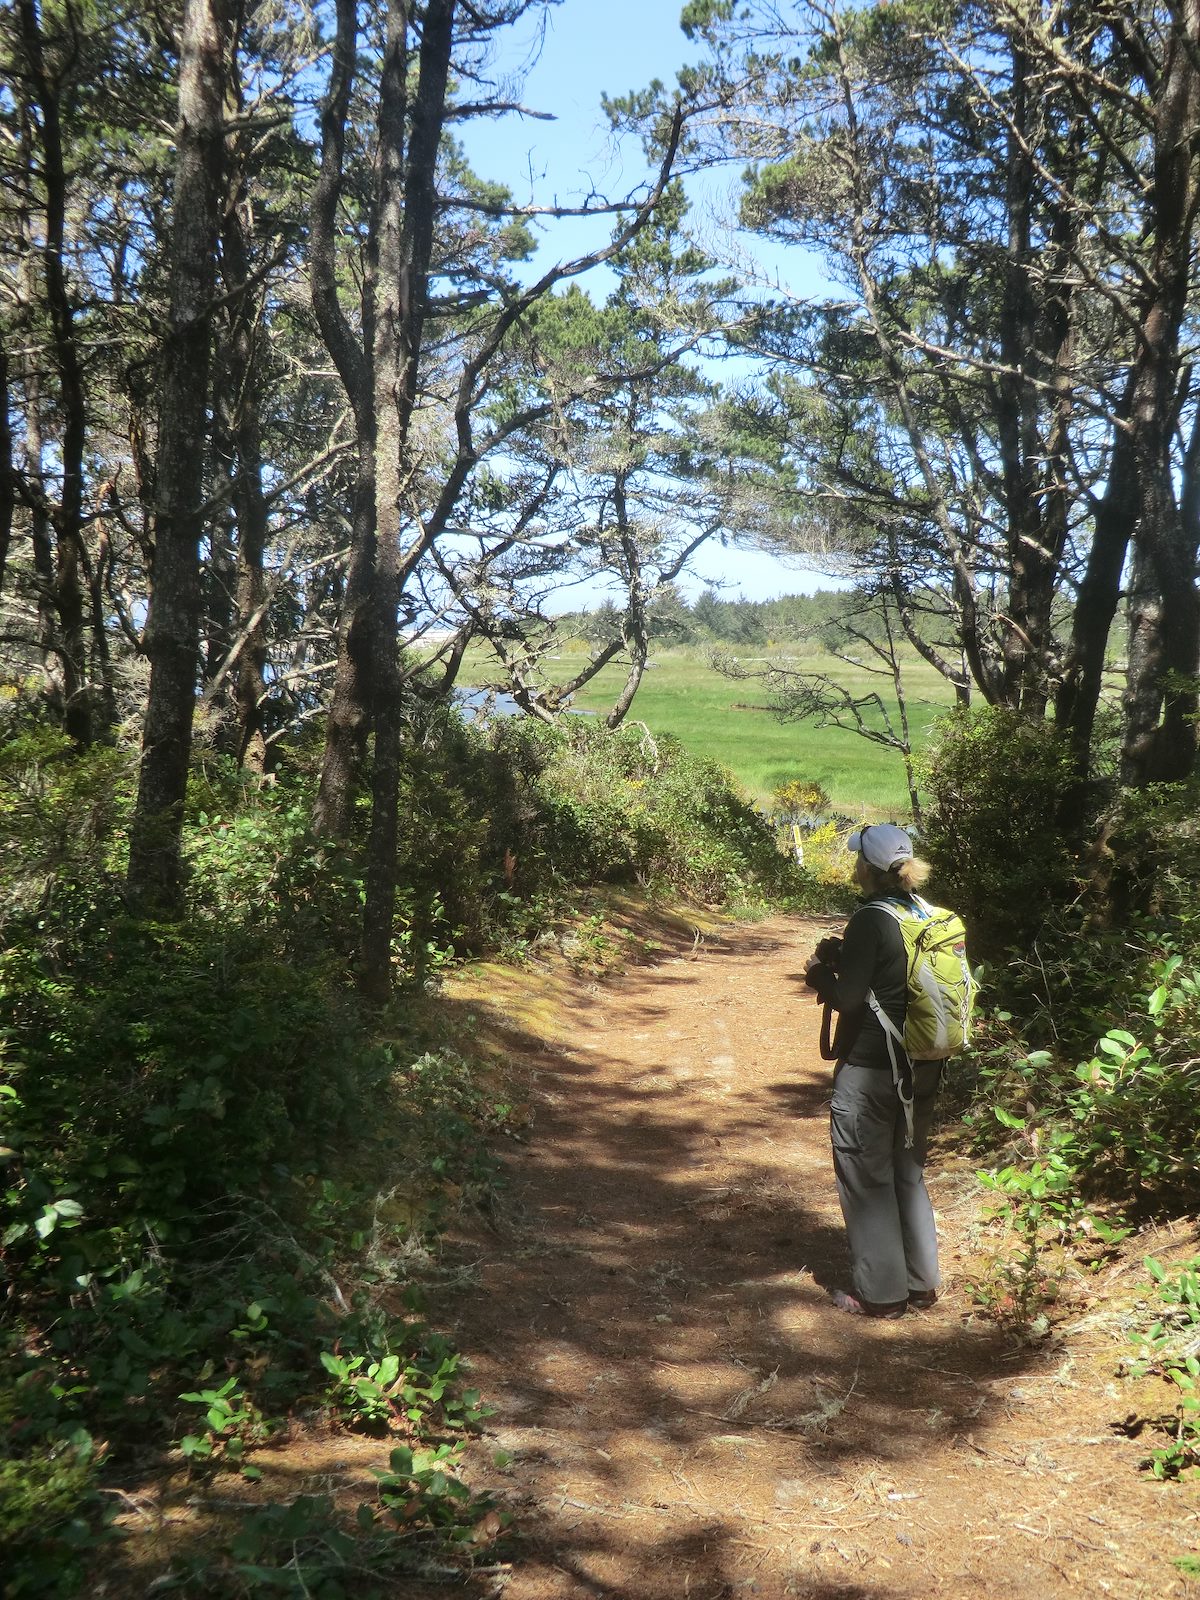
[(883, 844)]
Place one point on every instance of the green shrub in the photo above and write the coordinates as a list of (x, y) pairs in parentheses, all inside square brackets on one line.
[(993, 830), (50, 1517), (622, 806), (1146, 861), (176, 1102), (63, 818), (180, 1103), (1168, 1348), (1126, 1115)]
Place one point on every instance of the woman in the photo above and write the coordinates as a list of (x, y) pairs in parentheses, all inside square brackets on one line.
[(880, 1177)]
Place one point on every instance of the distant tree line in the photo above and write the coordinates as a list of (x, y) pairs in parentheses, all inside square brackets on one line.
[(815, 619)]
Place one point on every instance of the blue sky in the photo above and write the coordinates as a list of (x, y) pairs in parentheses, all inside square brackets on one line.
[(593, 47)]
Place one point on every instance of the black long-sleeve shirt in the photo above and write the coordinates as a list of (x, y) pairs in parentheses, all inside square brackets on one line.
[(872, 957)]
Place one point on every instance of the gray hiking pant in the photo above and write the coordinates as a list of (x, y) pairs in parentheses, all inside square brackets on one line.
[(889, 1220)]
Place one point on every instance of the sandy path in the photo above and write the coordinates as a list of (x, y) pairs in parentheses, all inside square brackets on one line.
[(687, 1415)]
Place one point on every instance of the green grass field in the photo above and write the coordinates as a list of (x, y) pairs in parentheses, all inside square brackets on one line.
[(713, 716)]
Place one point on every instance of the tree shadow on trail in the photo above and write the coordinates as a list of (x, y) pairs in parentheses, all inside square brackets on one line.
[(656, 1295), (808, 1099), (646, 1308)]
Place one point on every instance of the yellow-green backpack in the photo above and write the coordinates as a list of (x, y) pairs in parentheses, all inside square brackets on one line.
[(941, 991)]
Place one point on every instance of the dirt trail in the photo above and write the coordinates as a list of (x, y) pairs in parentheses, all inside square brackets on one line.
[(687, 1415)]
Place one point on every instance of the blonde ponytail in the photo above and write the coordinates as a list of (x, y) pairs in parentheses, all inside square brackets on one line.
[(910, 874), (906, 877)]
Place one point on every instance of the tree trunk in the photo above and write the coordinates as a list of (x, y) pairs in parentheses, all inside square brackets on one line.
[(406, 226), (41, 533), (892, 657), (1099, 594), (636, 629), (70, 559), (218, 627), (1017, 405), (173, 623), (347, 722), (637, 645), (237, 413), (1161, 698), (250, 688), (8, 495)]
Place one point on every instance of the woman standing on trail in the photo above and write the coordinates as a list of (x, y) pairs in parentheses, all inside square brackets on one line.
[(880, 1176)]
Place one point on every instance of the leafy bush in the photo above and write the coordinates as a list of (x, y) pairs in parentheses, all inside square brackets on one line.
[(1125, 1118), (627, 807), (1168, 1347), (51, 1513), (801, 800), (63, 817), (176, 1103), (1041, 1211), (1146, 861), (993, 829), (413, 1385)]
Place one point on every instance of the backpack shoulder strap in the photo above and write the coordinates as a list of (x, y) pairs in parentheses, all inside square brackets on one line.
[(902, 1070), (893, 908)]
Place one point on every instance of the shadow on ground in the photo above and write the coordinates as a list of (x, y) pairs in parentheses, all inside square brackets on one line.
[(654, 1305), (647, 1308)]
